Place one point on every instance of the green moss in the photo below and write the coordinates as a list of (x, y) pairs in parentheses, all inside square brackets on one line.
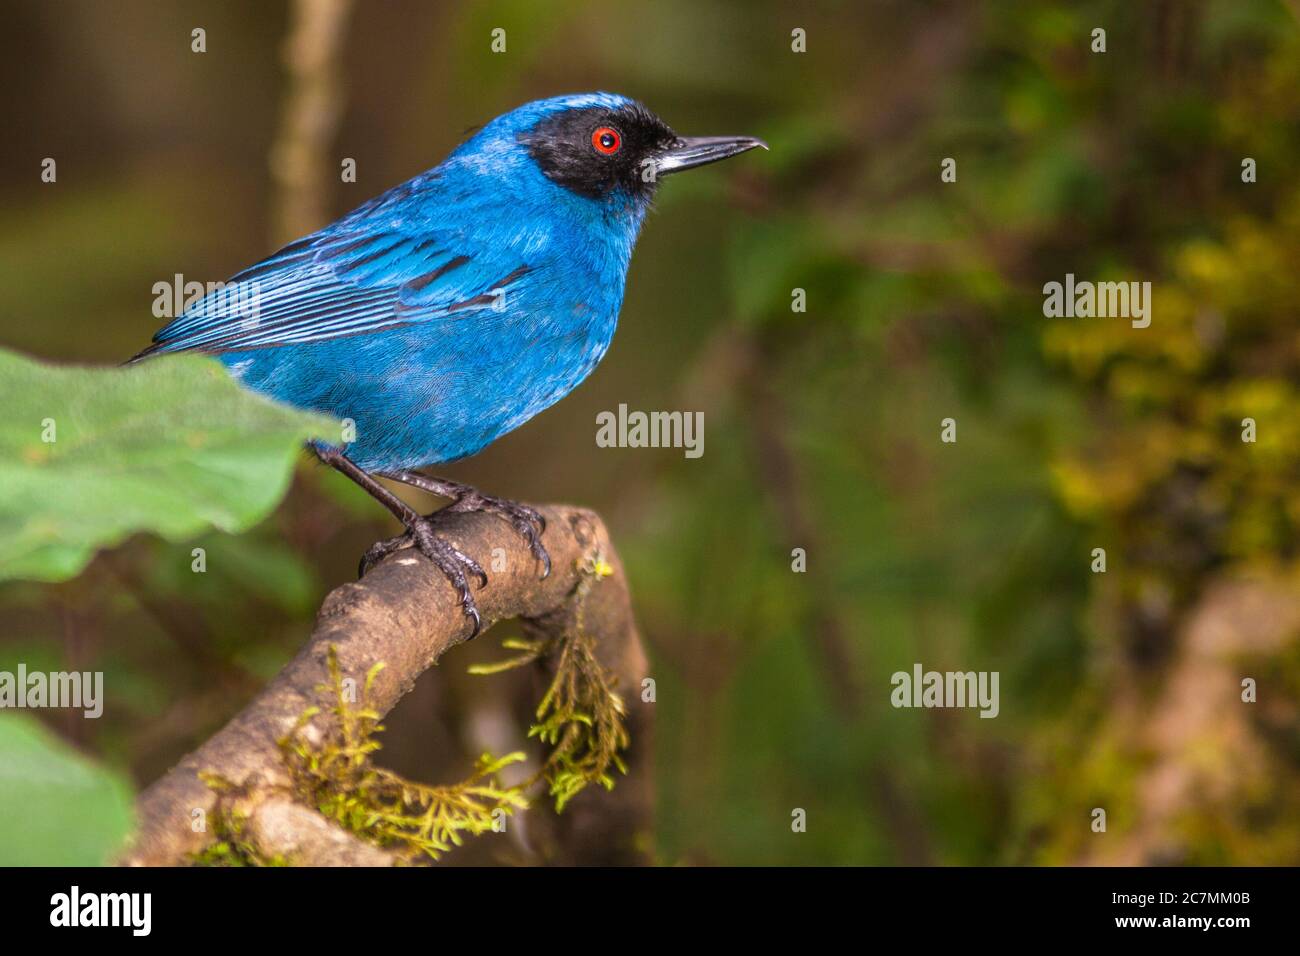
[(580, 718), (230, 846), (417, 820)]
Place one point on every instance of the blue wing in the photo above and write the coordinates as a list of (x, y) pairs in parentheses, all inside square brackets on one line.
[(390, 263)]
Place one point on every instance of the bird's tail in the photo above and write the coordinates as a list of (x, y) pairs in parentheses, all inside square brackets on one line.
[(143, 354)]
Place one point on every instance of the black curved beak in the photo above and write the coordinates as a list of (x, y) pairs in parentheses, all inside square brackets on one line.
[(688, 152)]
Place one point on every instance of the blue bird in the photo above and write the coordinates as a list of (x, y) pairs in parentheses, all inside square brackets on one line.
[(451, 309)]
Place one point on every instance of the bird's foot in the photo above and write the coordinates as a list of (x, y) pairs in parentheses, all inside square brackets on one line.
[(465, 498), (529, 522), (456, 565)]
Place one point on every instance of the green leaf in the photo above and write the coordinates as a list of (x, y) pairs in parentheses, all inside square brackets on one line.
[(56, 807), (173, 446)]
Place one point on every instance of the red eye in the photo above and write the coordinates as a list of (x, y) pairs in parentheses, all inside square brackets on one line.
[(606, 140)]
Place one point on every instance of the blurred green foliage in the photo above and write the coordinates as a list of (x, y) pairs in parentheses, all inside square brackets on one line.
[(924, 302), (56, 807), (173, 446)]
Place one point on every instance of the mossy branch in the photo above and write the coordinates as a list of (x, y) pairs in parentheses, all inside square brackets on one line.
[(581, 717), (341, 781), (283, 756)]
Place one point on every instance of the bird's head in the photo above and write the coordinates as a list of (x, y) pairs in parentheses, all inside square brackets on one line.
[(603, 146)]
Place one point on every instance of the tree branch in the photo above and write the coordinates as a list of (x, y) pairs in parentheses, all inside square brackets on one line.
[(310, 116), (404, 614)]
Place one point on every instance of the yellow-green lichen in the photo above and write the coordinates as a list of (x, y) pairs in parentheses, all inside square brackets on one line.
[(340, 780), (580, 718)]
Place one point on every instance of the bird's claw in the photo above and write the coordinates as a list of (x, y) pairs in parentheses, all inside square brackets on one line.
[(380, 550), (528, 521), (450, 560), (454, 563)]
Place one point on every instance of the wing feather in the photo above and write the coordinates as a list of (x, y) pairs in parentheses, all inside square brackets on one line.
[(367, 273)]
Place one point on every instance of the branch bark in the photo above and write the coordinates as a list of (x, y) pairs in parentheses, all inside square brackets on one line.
[(403, 613)]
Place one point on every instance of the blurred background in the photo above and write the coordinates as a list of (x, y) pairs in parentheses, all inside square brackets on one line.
[(1119, 690)]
